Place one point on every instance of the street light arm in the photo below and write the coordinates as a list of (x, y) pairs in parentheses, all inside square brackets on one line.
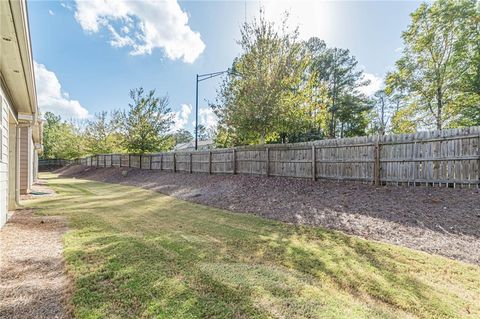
[(206, 76), (203, 77), (200, 78)]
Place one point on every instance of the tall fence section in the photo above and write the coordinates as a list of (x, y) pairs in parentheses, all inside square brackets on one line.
[(444, 158)]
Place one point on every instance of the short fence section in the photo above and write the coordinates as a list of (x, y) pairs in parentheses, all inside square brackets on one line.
[(447, 157), (51, 164)]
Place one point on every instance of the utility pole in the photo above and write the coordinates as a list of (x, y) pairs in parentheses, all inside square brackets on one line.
[(199, 78), (196, 115)]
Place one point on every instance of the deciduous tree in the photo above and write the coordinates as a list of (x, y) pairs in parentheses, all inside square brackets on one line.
[(102, 135), (440, 62), (60, 138), (146, 123), (262, 98)]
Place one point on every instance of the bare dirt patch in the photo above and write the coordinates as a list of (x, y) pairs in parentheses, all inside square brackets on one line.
[(33, 279), (435, 220)]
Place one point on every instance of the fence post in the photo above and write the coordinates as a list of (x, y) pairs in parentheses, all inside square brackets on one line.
[(111, 160), (150, 156), (209, 162), (174, 162), (314, 163), (376, 164), (190, 166), (129, 160), (104, 160), (478, 164), (234, 161), (267, 150), (141, 160)]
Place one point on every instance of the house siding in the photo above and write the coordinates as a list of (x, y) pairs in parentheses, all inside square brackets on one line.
[(18, 106), (4, 154), (25, 138)]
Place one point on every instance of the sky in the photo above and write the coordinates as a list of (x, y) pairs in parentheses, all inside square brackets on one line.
[(89, 53)]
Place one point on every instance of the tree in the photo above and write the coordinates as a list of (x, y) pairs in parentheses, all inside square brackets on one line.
[(102, 135), (353, 115), (203, 133), (60, 139), (406, 120), (146, 123), (384, 108), (182, 136), (262, 97), (439, 61), (336, 73)]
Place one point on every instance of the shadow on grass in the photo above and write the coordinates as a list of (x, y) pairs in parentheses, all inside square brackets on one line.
[(136, 253)]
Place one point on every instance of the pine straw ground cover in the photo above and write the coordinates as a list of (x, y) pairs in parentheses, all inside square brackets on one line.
[(135, 253), (33, 279)]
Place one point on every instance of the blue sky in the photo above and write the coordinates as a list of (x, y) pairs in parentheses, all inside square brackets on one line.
[(89, 54)]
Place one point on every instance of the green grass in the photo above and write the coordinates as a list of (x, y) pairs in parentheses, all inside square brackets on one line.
[(134, 253)]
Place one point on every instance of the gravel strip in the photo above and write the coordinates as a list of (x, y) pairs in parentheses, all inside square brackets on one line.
[(33, 280), (442, 221)]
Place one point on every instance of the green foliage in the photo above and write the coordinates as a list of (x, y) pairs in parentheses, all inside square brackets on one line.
[(142, 129), (102, 135), (336, 74), (284, 90), (182, 136), (204, 133), (60, 139), (404, 120), (146, 123), (264, 97), (439, 69)]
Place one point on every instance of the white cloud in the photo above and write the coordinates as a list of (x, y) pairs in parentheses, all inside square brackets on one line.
[(50, 12), (51, 98), (66, 6), (143, 26), (207, 117), (181, 117), (376, 83)]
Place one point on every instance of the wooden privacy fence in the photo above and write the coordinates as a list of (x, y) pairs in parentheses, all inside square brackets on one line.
[(447, 157)]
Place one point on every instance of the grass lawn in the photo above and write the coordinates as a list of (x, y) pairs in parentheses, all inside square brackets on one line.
[(134, 253)]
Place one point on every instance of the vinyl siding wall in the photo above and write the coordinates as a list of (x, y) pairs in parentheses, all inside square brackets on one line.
[(25, 138), (4, 116)]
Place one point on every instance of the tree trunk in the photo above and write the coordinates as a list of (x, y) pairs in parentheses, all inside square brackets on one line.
[(262, 138), (332, 125), (439, 109)]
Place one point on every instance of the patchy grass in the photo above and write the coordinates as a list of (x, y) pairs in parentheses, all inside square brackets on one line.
[(135, 253)]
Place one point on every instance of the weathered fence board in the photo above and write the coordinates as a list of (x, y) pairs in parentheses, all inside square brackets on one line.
[(440, 158)]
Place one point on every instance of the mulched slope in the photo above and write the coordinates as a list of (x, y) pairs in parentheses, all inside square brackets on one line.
[(33, 279), (435, 220)]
